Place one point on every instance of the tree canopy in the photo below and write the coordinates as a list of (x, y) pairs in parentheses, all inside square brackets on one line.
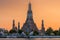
[(49, 31)]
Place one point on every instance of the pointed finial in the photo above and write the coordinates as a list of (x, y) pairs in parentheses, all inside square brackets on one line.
[(42, 19), (29, 5), (18, 22), (28, 1), (18, 25)]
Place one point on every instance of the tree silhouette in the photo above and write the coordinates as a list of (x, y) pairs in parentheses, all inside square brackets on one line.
[(49, 31), (55, 32), (20, 31), (12, 31), (58, 32), (35, 33)]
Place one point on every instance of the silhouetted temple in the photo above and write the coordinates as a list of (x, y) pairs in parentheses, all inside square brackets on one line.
[(42, 32), (18, 25), (29, 25), (14, 27)]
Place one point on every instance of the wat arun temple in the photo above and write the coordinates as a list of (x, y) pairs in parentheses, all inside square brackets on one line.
[(29, 24), (28, 29)]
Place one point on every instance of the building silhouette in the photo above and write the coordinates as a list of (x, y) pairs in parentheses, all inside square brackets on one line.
[(13, 26), (29, 24), (42, 31), (18, 25)]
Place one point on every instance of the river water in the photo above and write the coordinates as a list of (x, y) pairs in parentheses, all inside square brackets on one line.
[(29, 38)]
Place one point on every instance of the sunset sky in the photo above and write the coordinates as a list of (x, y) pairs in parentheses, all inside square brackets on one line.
[(49, 10)]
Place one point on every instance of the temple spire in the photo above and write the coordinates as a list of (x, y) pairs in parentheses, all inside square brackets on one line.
[(29, 24), (43, 28), (29, 6), (13, 24), (29, 14), (28, 1), (18, 25), (42, 23)]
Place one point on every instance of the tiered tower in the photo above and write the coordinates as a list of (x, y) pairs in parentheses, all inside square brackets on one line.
[(18, 25), (29, 25), (42, 28), (13, 26)]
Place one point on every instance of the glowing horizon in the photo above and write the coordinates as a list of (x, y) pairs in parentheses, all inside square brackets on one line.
[(49, 10)]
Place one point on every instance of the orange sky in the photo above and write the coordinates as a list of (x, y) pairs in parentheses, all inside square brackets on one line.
[(49, 10)]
